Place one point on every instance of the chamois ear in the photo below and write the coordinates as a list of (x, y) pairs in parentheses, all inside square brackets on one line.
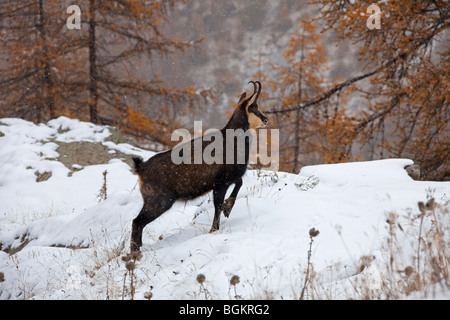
[(243, 95)]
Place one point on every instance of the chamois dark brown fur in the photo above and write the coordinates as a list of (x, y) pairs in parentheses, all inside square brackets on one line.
[(162, 182)]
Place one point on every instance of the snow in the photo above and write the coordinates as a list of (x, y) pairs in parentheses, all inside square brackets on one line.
[(75, 241)]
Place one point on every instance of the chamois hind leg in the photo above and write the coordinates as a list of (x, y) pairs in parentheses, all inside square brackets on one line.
[(218, 195), (154, 206), (229, 203)]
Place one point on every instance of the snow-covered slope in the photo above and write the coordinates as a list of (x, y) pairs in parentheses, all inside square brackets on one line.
[(60, 239)]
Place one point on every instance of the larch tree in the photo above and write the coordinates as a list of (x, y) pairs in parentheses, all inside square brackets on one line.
[(406, 111), (32, 42), (101, 72), (408, 105), (122, 37), (308, 135)]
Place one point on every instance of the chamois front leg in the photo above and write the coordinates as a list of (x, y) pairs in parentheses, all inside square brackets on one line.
[(229, 203)]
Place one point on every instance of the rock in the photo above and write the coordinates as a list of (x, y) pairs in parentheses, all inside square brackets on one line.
[(43, 176), (413, 171)]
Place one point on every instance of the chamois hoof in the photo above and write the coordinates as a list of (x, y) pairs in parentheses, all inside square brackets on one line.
[(227, 206), (213, 230)]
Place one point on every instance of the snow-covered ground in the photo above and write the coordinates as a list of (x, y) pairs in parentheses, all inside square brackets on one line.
[(65, 242)]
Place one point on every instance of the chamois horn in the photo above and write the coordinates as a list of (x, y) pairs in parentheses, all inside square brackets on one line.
[(256, 91)]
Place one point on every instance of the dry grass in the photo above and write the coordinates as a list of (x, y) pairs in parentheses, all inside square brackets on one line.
[(414, 264)]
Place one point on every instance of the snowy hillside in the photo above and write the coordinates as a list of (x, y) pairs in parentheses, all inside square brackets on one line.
[(63, 235)]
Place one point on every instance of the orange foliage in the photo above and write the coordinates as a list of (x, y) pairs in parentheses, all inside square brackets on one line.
[(47, 70), (319, 134), (408, 108), (406, 112)]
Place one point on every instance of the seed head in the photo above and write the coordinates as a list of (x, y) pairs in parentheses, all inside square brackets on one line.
[(313, 232), (130, 265), (421, 207), (148, 295), (234, 280), (409, 271), (137, 255), (127, 257), (201, 278), (431, 204)]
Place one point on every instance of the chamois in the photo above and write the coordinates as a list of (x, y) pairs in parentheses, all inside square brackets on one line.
[(162, 182)]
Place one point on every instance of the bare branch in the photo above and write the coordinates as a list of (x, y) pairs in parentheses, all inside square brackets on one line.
[(327, 95)]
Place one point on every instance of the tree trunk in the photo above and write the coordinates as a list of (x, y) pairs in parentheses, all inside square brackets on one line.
[(298, 113), (46, 77), (93, 78)]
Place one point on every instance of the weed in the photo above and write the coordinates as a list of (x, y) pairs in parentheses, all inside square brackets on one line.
[(306, 184), (102, 194), (201, 280), (419, 267), (130, 265), (310, 269), (233, 282)]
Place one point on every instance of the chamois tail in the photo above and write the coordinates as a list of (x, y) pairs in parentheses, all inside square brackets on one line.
[(137, 164)]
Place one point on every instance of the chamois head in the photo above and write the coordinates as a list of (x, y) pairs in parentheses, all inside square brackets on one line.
[(256, 118)]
